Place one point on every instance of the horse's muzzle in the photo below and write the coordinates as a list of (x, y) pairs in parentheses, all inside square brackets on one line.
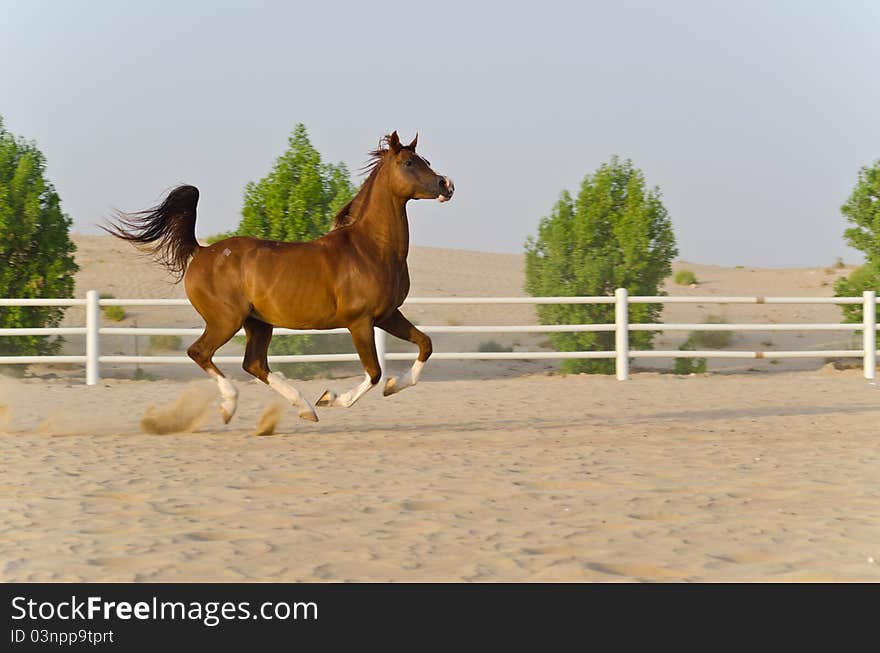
[(447, 188)]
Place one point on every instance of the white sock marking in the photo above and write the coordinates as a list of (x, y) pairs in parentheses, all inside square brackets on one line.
[(346, 399), (279, 385), (410, 378), (229, 394)]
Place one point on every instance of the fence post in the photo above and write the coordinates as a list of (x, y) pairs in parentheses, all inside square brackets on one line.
[(381, 348), (621, 332), (869, 333), (92, 325)]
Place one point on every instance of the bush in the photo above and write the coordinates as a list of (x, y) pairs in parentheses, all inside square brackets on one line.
[(165, 343), (866, 277), (615, 234), (492, 346), (36, 253), (702, 340), (711, 339), (115, 313), (685, 278), (686, 366), (862, 210), (141, 374), (299, 197)]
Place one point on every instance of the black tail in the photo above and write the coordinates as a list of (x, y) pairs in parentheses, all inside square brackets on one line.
[(167, 232)]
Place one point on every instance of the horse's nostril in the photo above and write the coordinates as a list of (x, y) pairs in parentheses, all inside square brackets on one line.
[(442, 183)]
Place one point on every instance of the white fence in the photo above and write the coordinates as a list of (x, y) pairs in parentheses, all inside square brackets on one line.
[(621, 327)]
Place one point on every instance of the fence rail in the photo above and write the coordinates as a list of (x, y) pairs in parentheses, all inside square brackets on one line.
[(621, 328)]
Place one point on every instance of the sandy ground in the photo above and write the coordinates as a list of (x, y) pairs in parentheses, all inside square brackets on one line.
[(734, 477), (502, 471)]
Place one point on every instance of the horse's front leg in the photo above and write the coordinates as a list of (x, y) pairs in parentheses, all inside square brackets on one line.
[(365, 344), (397, 325)]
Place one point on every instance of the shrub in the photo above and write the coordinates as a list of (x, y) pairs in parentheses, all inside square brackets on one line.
[(711, 339), (702, 340), (115, 313), (141, 374), (697, 365), (862, 211), (866, 277), (615, 234), (297, 200), (36, 253), (685, 278), (686, 366)]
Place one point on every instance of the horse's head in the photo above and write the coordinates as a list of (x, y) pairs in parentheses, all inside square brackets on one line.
[(410, 176)]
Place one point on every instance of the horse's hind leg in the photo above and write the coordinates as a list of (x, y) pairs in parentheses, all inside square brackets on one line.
[(256, 362), (202, 351), (364, 342), (256, 352), (397, 325)]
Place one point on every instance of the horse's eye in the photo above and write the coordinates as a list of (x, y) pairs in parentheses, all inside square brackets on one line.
[(409, 163)]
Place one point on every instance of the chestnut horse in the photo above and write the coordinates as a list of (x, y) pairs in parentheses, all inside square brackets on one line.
[(355, 276)]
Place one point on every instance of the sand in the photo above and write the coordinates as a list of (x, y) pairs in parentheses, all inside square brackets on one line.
[(503, 472), (753, 477)]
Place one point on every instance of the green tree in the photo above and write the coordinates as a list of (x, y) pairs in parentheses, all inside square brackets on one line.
[(615, 234), (296, 201), (36, 253), (862, 210)]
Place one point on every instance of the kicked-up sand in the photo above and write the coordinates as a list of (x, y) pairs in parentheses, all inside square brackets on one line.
[(724, 477)]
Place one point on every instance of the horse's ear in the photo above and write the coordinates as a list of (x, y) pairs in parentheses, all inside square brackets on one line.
[(412, 146), (394, 142)]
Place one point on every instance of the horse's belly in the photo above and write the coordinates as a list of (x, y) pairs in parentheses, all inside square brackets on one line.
[(293, 301), (296, 311)]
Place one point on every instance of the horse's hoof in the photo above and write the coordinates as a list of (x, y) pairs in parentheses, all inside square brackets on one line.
[(325, 399), (226, 415), (390, 387), (308, 415)]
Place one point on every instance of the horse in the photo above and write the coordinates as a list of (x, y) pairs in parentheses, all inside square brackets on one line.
[(355, 276)]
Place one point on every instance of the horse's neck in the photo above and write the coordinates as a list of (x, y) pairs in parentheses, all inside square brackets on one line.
[(384, 222)]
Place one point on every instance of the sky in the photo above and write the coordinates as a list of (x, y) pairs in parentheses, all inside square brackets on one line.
[(753, 118)]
